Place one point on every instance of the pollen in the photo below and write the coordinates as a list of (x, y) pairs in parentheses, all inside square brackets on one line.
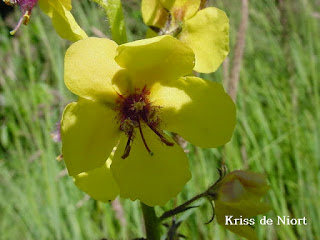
[(138, 106), (10, 2), (127, 125)]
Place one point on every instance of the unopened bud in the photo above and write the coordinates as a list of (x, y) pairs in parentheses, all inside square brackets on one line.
[(237, 196)]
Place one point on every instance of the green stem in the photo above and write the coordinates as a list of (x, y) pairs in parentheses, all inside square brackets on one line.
[(113, 9), (151, 222), (181, 208)]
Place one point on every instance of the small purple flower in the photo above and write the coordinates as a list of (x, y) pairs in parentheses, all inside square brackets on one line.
[(26, 7), (56, 136)]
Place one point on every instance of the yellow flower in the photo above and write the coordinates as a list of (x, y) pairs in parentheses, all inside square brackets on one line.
[(128, 95), (57, 10), (206, 31), (239, 196)]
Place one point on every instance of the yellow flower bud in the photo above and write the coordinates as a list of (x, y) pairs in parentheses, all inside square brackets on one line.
[(239, 199), (204, 30)]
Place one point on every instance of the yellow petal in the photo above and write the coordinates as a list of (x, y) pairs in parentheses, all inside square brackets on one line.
[(46, 7), (62, 19), (89, 132), (98, 183), (242, 203), (66, 26), (181, 9), (222, 211), (232, 191), (237, 200), (153, 13), (89, 68), (198, 110), (65, 3), (253, 182), (158, 59), (152, 179), (150, 33), (239, 197), (244, 209), (207, 33)]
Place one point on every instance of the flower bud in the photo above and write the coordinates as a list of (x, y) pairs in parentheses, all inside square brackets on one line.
[(239, 196)]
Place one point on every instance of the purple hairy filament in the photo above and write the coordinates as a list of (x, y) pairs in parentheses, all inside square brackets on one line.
[(26, 7), (135, 109)]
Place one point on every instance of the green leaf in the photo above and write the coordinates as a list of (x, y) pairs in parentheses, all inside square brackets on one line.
[(113, 9)]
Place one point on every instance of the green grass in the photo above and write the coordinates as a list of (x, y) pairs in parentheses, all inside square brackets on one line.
[(277, 130)]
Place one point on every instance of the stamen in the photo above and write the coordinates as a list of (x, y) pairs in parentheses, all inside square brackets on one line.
[(162, 138), (144, 141), (128, 147), (10, 2), (24, 19), (135, 109), (138, 106), (121, 96)]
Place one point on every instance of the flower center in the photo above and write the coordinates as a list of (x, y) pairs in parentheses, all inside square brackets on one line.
[(133, 110)]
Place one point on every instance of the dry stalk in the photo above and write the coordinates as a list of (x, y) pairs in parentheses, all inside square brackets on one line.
[(239, 50)]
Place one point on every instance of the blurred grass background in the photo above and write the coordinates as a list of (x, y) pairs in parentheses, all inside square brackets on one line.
[(277, 131)]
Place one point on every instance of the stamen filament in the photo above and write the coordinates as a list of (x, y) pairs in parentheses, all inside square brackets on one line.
[(10, 2), (143, 139), (162, 138), (24, 19), (128, 147)]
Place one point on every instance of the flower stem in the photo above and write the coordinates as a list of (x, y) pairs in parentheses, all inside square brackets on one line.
[(210, 194), (151, 222), (113, 9), (181, 208)]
